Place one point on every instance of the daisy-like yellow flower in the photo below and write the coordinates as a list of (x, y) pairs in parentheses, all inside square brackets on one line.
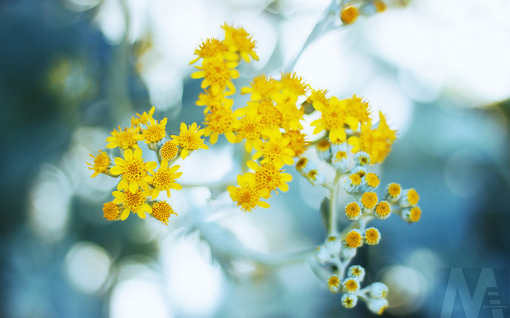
[(142, 119), (250, 128), (262, 87), (132, 201), (134, 170), (213, 101), (333, 118), (162, 211), (318, 95), (267, 177), (271, 118), (376, 142), (246, 195), (164, 180), (293, 84), (189, 139), (276, 150), (298, 143), (240, 41), (155, 131), (213, 48), (221, 121), (101, 163), (124, 139), (292, 115), (359, 109), (217, 73)]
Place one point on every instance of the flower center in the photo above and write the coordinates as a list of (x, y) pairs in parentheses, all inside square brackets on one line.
[(383, 208), (133, 201), (413, 197), (163, 180), (189, 141), (126, 139), (169, 150), (369, 199), (154, 133), (111, 211), (134, 170), (162, 211), (353, 239), (415, 214), (352, 209)]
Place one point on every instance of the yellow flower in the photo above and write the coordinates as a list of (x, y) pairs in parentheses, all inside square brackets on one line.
[(134, 171), (132, 201), (293, 84), (155, 131), (111, 211), (221, 120), (276, 150), (124, 139), (290, 112), (101, 163), (262, 87), (142, 119), (333, 118), (376, 142), (189, 140), (246, 195), (240, 41), (213, 48), (359, 109), (162, 211), (271, 118), (267, 177), (164, 180), (212, 101), (250, 128), (318, 95), (217, 73), (298, 143), (168, 150), (349, 14)]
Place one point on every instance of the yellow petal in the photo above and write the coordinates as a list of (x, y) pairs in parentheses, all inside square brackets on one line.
[(263, 204), (140, 213), (214, 138), (198, 74), (133, 186), (284, 187), (125, 214), (116, 170), (231, 137)]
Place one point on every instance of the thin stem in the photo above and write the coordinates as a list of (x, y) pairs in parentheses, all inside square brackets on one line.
[(333, 213)]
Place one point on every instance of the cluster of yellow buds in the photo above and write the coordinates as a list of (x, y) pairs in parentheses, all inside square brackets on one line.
[(141, 181), (351, 10)]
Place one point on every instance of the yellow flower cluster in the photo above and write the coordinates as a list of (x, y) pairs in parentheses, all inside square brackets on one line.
[(142, 181)]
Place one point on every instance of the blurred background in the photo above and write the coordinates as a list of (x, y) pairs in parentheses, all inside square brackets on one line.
[(73, 70)]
